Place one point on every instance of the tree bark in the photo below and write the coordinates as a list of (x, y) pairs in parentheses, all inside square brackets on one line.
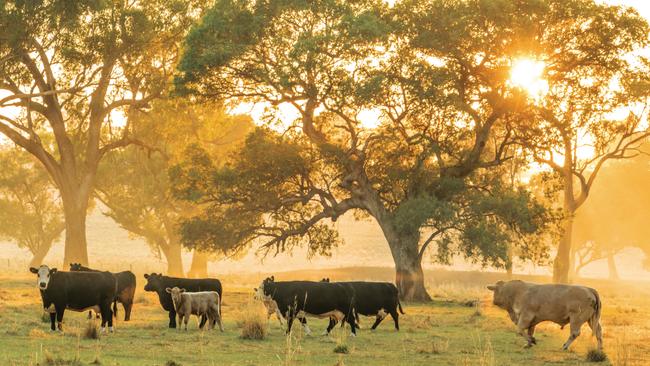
[(611, 263), (509, 262), (409, 276), (172, 252), (40, 254), (199, 267), (562, 263), (76, 250)]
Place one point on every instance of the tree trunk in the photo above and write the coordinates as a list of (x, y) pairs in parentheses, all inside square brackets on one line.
[(409, 277), (199, 268), (611, 263), (562, 263), (39, 255), (509, 262), (172, 253), (76, 247)]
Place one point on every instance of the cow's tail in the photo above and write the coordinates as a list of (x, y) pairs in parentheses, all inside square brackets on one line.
[(399, 306), (594, 321), (115, 307)]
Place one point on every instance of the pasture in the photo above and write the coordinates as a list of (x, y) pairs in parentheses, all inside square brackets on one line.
[(460, 327)]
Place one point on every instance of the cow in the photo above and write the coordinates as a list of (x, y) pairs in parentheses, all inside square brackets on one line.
[(376, 299), (205, 303), (126, 284), (270, 305), (298, 299), (158, 283), (529, 304), (78, 291)]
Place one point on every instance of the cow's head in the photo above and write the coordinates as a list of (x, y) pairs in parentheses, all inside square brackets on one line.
[(176, 295), (44, 273), (75, 267), (264, 292), (500, 296), (154, 282)]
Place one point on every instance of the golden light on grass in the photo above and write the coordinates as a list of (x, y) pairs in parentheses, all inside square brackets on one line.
[(528, 74)]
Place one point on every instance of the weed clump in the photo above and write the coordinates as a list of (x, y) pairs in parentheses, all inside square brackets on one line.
[(172, 363), (596, 355), (91, 331), (341, 348), (253, 323)]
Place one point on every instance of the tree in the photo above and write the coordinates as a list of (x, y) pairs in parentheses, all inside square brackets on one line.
[(30, 213), (71, 69), (593, 71), (139, 198), (614, 216), (433, 85)]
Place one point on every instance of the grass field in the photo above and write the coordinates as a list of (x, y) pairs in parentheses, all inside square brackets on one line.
[(455, 329)]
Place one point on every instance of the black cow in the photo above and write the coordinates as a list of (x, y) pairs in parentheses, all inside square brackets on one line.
[(373, 299), (298, 299), (125, 287), (157, 283), (78, 291)]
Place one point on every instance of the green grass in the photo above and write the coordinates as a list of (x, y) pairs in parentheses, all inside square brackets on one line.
[(448, 331)]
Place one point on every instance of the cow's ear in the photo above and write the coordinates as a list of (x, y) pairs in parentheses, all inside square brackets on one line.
[(53, 271), (182, 290), (33, 270), (146, 275), (272, 278), (168, 290), (491, 287)]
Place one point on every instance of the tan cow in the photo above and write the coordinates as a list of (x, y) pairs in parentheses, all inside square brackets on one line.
[(529, 304), (270, 305), (196, 303)]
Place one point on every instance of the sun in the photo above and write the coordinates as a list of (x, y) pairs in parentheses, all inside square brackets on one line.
[(528, 74)]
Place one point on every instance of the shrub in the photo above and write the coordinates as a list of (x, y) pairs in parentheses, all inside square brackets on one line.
[(91, 331), (341, 348)]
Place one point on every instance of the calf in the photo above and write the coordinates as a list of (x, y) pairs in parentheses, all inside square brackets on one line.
[(158, 283), (205, 303), (298, 299), (271, 307), (376, 299), (125, 287), (529, 304), (78, 291)]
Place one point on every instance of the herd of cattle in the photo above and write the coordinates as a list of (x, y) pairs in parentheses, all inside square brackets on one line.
[(84, 289)]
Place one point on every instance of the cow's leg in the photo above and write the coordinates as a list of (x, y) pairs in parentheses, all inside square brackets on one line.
[(59, 317), (186, 319), (331, 325), (172, 319), (52, 321), (395, 315), (105, 315), (303, 322), (203, 320), (353, 324), (531, 333), (128, 304), (109, 312), (278, 315), (290, 317), (523, 324), (574, 325), (217, 318)]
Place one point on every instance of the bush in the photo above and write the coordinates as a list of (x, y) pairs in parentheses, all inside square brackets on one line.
[(596, 355)]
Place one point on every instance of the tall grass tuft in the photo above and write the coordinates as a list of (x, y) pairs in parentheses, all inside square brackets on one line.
[(253, 323), (341, 348), (91, 331), (596, 355), (172, 363)]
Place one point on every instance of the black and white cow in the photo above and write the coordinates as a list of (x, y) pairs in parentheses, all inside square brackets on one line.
[(78, 291), (126, 285), (373, 299), (299, 299), (158, 283)]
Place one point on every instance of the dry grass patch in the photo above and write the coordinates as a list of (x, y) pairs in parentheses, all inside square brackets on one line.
[(253, 322)]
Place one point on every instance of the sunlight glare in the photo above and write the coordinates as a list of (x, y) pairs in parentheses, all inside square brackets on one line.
[(528, 74)]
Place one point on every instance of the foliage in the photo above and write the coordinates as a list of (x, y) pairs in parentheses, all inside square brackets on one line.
[(30, 212), (427, 166), (138, 198)]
